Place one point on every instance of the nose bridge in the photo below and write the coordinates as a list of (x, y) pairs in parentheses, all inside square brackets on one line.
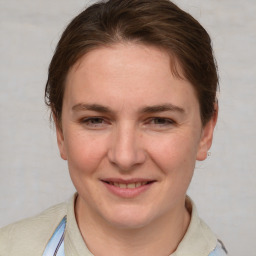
[(126, 150)]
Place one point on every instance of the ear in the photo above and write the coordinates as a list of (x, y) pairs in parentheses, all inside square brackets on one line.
[(60, 139), (207, 136)]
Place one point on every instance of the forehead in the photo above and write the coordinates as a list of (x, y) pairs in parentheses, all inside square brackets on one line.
[(128, 72), (128, 51)]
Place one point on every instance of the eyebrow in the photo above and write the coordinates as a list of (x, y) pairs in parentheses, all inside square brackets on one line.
[(161, 108), (92, 107), (143, 110)]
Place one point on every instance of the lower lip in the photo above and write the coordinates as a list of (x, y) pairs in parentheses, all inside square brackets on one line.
[(127, 192)]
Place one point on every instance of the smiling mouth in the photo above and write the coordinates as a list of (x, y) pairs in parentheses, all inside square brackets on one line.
[(128, 185)]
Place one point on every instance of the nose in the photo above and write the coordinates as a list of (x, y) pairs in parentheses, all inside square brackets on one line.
[(126, 150)]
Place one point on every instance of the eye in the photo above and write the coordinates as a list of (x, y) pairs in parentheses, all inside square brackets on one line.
[(94, 122), (161, 122)]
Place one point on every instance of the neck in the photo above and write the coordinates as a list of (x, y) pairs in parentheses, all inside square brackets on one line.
[(160, 237)]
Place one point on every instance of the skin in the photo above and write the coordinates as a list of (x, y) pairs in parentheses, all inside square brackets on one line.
[(126, 116)]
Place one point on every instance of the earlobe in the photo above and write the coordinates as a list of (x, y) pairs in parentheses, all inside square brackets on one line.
[(207, 136), (60, 140)]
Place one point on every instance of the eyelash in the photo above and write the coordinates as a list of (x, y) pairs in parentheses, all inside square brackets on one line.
[(89, 121), (99, 122), (167, 121)]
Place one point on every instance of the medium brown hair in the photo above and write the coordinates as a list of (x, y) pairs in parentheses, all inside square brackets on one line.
[(157, 23)]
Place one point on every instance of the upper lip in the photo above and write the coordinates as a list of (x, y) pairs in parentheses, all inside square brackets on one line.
[(127, 181)]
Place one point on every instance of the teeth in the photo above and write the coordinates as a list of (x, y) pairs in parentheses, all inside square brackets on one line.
[(129, 185), (138, 184), (122, 185)]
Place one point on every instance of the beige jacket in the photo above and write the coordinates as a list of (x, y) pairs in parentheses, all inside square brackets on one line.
[(30, 237)]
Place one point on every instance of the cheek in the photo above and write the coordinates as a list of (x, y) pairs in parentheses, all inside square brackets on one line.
[(84, 152), (175, 156), (174, 147)]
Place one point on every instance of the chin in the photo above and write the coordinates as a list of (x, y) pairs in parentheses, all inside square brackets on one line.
[(128, 223), (129, 218)]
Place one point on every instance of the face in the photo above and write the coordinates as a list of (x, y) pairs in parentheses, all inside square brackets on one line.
[(131, 133)]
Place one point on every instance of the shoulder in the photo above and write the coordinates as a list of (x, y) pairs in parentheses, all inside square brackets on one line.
[(30, 236), (211, 238), (219, 250), (199, 239)]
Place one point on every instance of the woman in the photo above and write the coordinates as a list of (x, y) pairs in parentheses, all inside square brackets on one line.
[(132, 90)]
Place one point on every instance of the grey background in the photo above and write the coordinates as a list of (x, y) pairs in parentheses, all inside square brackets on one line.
[(33, 176)]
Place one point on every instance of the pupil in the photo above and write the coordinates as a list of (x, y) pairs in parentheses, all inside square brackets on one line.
[(97, 120), (159, 121)]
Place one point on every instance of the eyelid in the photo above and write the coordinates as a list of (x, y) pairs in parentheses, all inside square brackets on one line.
[(167, 122), (103, 121), (86, 121)]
